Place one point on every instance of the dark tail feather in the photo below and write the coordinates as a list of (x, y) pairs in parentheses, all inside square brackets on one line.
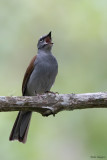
[(20, 127)]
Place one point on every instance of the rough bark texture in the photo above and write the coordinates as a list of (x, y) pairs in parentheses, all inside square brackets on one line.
[(52, 103)]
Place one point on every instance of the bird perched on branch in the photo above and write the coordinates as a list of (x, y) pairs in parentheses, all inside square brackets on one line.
[(39, 78)]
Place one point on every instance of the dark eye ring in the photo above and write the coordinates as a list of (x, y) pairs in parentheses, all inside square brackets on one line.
[(41, 40)]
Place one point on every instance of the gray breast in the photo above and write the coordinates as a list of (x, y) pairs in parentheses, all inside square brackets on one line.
[(43, 75)]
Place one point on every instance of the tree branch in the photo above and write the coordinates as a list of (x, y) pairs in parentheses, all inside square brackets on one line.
[(52, 103)]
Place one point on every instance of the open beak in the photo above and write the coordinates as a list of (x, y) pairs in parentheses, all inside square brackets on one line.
[(49, 35), (48, 38)]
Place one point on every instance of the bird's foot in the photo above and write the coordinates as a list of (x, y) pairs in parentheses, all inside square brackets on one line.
[(48, 111), (51, 92)]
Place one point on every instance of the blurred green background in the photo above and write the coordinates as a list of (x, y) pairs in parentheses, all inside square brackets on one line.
[(79, 30)]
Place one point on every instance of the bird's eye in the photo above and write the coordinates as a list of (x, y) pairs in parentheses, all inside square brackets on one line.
[(41, 40)]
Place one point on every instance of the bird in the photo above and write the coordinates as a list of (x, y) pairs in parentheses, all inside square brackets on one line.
[(38, 79)]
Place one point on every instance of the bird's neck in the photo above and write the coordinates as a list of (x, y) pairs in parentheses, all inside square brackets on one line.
[(41, 51)]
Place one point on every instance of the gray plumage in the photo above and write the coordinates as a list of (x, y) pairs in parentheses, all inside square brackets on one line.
[(40, 80), (43, 75)]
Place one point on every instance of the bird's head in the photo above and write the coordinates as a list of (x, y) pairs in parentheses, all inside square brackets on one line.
[(45, 42)]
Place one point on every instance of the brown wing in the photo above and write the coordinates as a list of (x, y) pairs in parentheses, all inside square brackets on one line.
[(27, 75)]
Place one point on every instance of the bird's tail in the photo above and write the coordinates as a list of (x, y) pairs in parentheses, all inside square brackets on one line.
[(21, 126)]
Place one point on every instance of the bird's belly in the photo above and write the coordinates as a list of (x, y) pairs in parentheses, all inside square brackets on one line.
[(41, 80)]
